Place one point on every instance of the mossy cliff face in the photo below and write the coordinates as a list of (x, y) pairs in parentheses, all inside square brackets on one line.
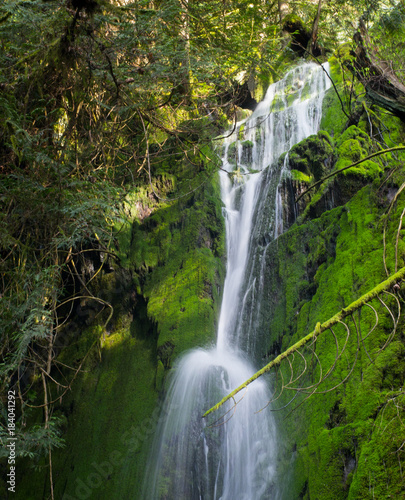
[(165, 293), (346, 443), (312, 156), (177, 252), (317, 268)]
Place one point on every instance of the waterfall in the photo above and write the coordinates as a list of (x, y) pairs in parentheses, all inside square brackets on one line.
[(235, 458)]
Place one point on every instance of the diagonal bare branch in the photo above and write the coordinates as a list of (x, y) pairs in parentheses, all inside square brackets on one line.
[(319, 330)]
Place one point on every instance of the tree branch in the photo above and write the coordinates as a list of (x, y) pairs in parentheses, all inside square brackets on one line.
[(319, 329), (396, 148)]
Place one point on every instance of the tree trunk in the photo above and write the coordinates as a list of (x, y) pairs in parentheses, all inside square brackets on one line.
[(185, 37), (282, 10), (380, 81), (314, 35)]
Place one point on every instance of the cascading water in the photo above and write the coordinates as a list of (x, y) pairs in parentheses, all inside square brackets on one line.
[(235, 459)]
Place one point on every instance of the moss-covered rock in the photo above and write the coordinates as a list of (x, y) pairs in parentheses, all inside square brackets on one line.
[(312, 156), (300, 33), (335, 258), (333, 117), (356, 134), (334, 446), (178, 250), (352, 146)]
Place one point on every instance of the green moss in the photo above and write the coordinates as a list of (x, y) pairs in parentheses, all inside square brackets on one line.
[(335, 70), (349, 151), (296, 175), (83, 344), (367, 169), (182, 303), (312, 155), (178, 250), (379, 467), (345, 53), (278, 103), (353, 145), (356, 134), (233, 153), (335, 258), (336, 451), (241, 132), (333, 117), (110, 422)]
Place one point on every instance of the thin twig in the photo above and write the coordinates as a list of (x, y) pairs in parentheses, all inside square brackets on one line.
[(396, 148)]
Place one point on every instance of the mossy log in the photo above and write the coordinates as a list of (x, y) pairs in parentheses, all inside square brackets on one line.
[(319, 329)]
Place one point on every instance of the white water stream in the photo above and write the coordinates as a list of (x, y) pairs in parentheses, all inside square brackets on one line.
[(235, 460)]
